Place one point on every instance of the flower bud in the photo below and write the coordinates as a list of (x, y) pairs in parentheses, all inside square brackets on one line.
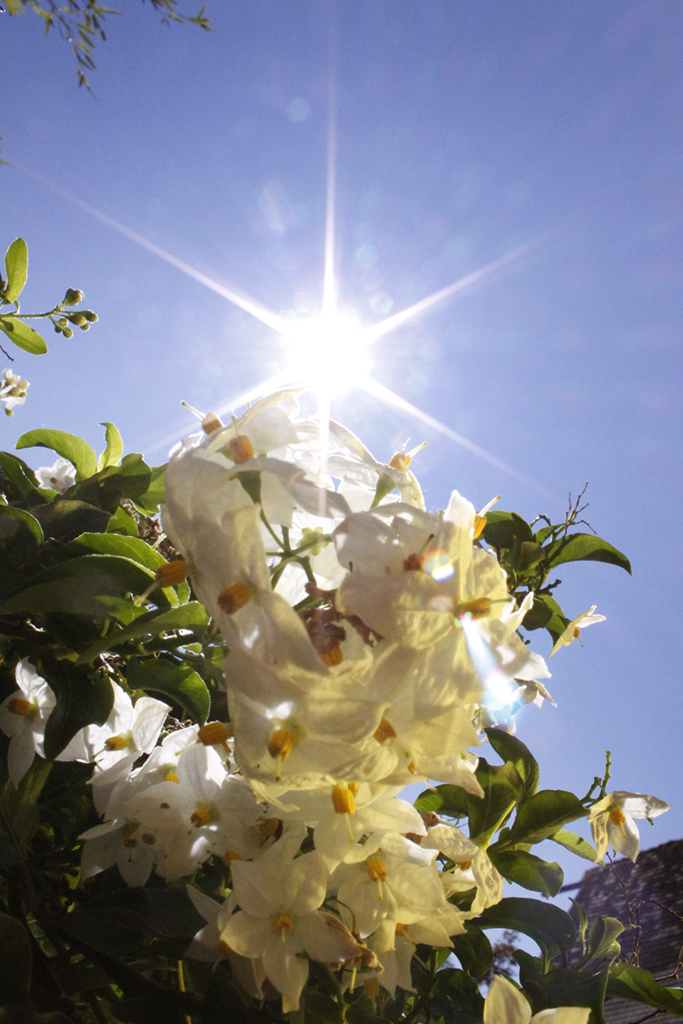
[(73, 297), (90, 316), (77, 319)]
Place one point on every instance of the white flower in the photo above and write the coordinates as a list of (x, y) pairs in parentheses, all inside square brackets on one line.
[(58, 477), (573, 630), (391, 878), (129, 730), (279, 919), (611, 821), (12, 391), (505, 1004), (23, 716)]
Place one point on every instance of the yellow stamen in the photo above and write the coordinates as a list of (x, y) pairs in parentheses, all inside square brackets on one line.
[(479, 524), (577, 632), (234, 597), (332, 657), (400, 461), (354, 787), (376, 869), (211, 422), (128, 833), (352, 983), (617, 817), (411, 768), (116, 743), (241, 449), (479, 608), (171, 776), (280, 746), (284, 926), (377, 872), (213, 733), (272, 827), (171, 573), (401, 928), (21, 706), (342, 799), (464, 865), (204, 815), (413, 563), (229, 856), (384, 731)]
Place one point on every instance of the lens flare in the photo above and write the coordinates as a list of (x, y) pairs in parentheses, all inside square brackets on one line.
[(500, 689)]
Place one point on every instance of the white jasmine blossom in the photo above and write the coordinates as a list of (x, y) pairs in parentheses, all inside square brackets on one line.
[(611, 821), (60, 476), (23, 717), (573, 631)]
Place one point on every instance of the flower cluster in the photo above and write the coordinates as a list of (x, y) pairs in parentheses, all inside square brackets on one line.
[(12, 391), (370, 643)]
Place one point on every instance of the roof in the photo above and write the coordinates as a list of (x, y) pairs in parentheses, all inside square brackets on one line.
[(653, 890)]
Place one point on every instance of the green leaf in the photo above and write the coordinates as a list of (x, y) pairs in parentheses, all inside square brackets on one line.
[(123, 522), (509, 748), (192, 615), (577, 988), (503, 787), (602, 938), (109, 485), (583, 923), (19, 818), (19, 483), (155, 494), (65, 520), (117, 922), (545, 923), (81, 701), (585, 547), (23, 336), (456, 998), (16, 267), (446, 799), (112, 454), (182, 684), (505, 529), (82, 586), (473, 950), (528, 870), (575, 844), (627, 982), (17, 956), (545, 613), (116, 544), (74, 449), (543, 814), (14, 521)]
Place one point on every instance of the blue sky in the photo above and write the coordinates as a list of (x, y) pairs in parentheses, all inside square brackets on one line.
[(464, 132)]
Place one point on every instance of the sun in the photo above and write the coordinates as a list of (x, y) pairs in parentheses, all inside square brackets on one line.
[(330, 352)]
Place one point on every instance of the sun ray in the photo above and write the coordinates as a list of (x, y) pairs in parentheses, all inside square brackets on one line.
[(377, 390), (463, 284), (244, 302)]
